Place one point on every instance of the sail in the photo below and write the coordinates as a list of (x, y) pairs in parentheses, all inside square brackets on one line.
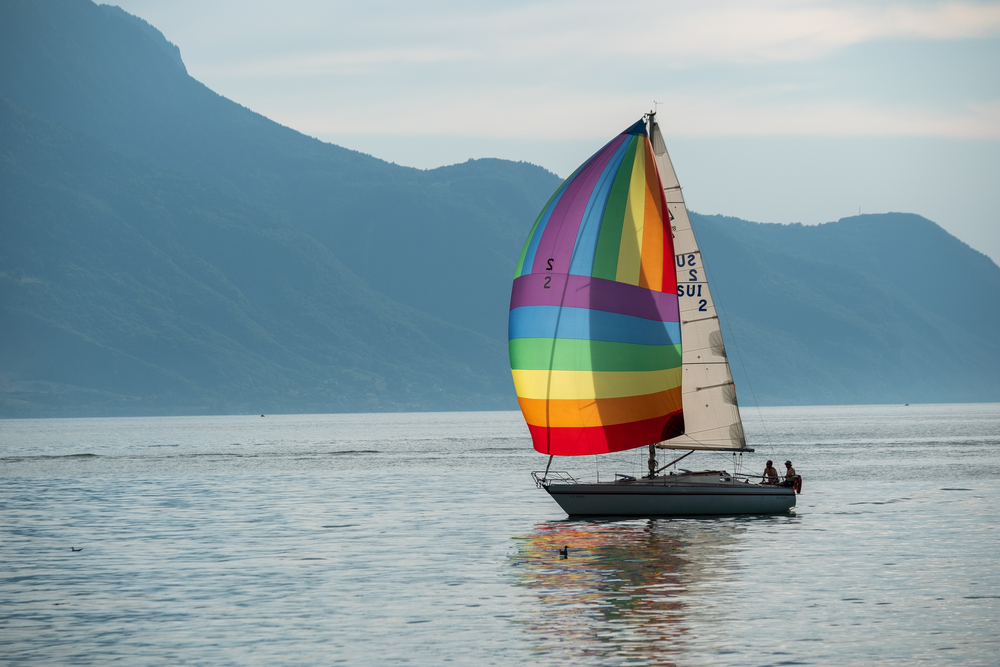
[(711, 415), (594, 337)]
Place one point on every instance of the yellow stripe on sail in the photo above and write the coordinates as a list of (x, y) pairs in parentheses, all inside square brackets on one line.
[(630, 250), (547, 384)]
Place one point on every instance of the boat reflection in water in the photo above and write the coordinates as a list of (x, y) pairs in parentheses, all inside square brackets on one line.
[(627, 589)]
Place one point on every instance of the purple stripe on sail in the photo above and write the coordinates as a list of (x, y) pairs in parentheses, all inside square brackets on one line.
[(593, 293), (563, 225)]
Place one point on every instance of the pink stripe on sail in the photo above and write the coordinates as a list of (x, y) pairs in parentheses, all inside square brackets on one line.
[(554, 289)]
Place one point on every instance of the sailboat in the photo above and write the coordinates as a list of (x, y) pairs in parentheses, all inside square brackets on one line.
[(615, 342)]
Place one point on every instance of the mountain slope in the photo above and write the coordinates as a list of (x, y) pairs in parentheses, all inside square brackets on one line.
[(157, 290), (166, 250), (89, 68)]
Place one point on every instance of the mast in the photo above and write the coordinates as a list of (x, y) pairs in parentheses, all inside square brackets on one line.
[(711, 414), (652, 463)]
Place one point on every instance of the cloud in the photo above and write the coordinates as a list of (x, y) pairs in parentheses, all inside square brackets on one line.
[(338, 63), (529, 113), (780, 30), (702, 117), (680, 34), (474, 68)]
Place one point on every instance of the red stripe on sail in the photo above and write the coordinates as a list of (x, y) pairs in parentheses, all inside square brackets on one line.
[(604, 439)]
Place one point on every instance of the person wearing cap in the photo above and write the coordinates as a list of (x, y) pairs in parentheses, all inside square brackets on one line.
[(790, 475), (770, 474)]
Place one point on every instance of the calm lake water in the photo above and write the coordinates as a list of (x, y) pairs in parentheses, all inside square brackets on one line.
[(420, 539)]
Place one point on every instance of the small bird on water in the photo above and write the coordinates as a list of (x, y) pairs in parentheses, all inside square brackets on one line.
[(75, 549), (564, 552)]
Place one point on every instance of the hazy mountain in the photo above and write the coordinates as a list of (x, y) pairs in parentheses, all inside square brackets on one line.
[(869, 309), (166, 250)]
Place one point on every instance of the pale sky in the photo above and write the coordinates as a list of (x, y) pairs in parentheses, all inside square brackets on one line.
[(773, 110)]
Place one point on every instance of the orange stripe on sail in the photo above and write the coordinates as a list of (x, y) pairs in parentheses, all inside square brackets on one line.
[(583, 413), (651, 269)]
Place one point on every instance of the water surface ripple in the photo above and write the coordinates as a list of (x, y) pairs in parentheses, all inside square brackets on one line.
[(420, 539)]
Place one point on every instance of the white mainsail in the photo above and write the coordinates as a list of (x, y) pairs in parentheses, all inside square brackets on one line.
[(711, 414)]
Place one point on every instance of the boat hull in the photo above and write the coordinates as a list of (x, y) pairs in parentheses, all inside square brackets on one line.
[(667, 497)]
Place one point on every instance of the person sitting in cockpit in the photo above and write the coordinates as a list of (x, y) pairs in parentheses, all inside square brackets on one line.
[(770, 474)]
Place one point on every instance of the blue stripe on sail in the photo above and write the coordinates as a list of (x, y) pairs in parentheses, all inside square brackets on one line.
[(586, 240), (585, 324), (529, 256)]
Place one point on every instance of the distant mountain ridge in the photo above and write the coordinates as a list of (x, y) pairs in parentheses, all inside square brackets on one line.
[(167, 251), (869, 309)]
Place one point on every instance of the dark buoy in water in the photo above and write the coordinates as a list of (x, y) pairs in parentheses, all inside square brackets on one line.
[(564, 552), (75, 549)]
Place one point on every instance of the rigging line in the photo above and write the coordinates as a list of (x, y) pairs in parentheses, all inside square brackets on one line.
[(732, 336), (737, 463), (721, 454)]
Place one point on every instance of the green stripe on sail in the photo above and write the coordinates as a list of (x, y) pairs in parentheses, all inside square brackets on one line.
[(570, 354), (610, 239)]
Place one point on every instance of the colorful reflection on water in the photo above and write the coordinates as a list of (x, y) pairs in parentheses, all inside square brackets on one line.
[(625, 589)]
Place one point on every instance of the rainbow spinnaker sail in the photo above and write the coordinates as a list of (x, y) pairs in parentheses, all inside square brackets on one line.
[(593, 332)]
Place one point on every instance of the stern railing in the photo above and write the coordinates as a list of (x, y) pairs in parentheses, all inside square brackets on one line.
[(544, 478)]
